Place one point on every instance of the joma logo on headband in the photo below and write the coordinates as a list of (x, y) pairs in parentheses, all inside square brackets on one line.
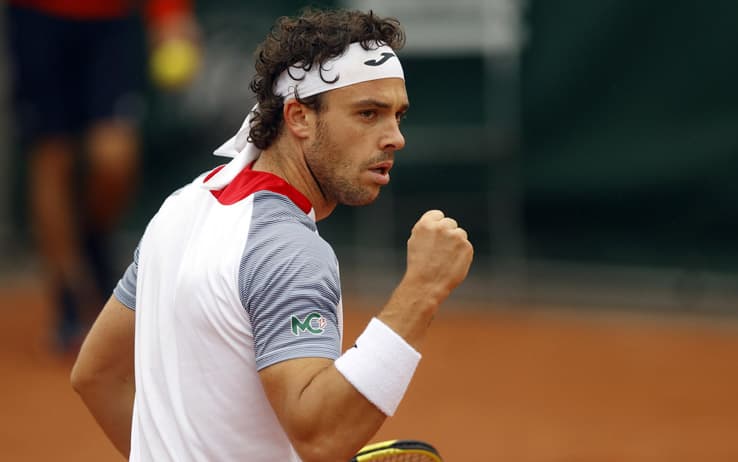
[(385, 57)]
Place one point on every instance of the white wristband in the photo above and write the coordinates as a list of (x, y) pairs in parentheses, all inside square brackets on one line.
[(380, 366)]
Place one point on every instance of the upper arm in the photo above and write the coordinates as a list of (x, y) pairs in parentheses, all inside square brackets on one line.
[(290, 290), (108, 349), (324, 416), (284, 382)]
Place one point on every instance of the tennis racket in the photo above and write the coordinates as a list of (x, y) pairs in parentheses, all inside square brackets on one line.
[(398, 451)]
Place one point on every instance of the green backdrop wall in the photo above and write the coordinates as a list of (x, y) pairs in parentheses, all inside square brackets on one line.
[(628, 117)]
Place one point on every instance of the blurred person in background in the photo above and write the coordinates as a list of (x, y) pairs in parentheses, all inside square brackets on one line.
[(77, 77)]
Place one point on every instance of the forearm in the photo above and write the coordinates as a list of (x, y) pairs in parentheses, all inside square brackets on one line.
[(411, 308), (111, 404)]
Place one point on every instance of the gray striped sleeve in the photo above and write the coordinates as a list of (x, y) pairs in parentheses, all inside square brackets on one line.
[(125, 290), (289, 285)]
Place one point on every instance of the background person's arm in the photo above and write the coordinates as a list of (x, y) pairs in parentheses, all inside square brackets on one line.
[(325, 417), (103, 373)]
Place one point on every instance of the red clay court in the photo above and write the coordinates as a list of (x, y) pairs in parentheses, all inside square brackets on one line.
[(512, 385)]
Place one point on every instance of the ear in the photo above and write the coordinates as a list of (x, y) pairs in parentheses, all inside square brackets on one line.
[(298, 119)]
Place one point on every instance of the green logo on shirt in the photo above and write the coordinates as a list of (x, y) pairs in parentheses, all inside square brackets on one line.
[(313, 323)]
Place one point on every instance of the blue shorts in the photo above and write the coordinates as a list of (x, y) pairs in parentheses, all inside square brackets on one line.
[(67, 74)]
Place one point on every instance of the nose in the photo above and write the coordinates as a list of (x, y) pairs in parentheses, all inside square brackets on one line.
[(393, 140)]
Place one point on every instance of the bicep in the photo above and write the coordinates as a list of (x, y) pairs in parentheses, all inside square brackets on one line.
[(324, 416), (284, 382), (108, 348), (298, 388)]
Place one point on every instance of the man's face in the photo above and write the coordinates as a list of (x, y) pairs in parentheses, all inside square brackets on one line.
[(357, 134)]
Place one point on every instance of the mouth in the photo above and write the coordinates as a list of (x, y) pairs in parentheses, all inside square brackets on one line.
[(382, 168), (380, 172)]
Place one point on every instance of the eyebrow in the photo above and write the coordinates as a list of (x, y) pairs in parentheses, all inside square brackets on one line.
[(379, 104)]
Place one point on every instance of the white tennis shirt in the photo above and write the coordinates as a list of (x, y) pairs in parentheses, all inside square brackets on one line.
[(225, 283)]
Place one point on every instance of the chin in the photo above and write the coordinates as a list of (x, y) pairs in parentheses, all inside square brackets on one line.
[(361, 203), (364, 199)]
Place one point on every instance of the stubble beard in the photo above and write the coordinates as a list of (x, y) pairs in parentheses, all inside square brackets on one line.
[(335, 174)]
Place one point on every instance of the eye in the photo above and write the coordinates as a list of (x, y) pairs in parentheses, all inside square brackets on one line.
[(400, 116), (368, 114)]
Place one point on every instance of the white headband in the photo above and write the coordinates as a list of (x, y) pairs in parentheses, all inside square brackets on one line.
[(355, 65)]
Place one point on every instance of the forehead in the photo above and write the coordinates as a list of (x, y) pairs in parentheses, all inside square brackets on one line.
[(390, 91)]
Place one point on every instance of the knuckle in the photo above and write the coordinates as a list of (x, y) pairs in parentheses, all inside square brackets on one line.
[(434, 214)]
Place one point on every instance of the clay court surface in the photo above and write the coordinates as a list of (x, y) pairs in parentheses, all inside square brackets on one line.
[(501, 384)]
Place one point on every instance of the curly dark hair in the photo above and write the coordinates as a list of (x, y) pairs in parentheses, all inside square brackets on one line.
[(311, 38)]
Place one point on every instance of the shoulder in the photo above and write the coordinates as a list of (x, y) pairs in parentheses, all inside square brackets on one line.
[(284, 250), (278, 225)]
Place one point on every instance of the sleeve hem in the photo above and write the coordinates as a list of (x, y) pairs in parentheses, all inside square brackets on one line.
[(295, 353), (131, 305)]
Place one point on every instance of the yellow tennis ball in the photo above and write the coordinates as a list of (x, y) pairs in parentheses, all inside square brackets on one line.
[(174, 63)]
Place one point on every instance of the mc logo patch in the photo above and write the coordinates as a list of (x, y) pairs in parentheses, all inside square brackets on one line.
[(313, 323)]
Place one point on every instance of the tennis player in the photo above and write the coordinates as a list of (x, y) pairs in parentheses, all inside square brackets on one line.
[(235, 299)]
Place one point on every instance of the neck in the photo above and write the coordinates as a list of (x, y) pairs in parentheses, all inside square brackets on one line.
[(287, 161)]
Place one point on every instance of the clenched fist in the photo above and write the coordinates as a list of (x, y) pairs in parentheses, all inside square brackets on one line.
[(438, 254), (438, 258)]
